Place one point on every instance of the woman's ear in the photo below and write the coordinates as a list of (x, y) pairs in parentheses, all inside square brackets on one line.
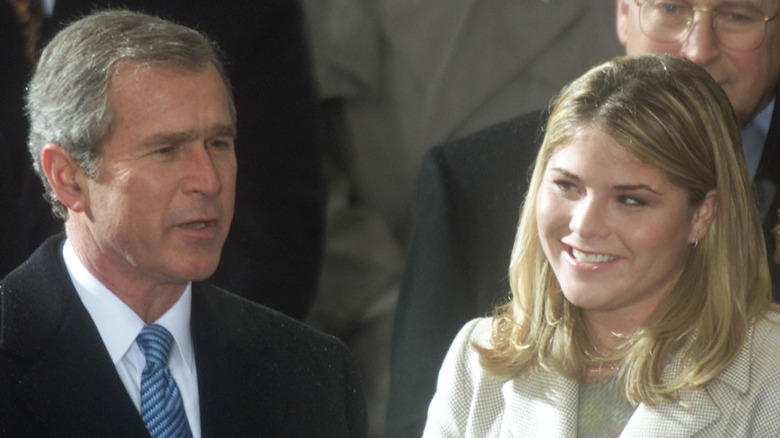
[(63, 174), (703, 216)]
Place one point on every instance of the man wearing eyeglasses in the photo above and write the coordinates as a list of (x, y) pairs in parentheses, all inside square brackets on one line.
[(738, 43), (470, 191)]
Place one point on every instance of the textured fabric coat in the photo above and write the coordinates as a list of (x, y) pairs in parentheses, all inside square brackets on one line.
[(742, 402)]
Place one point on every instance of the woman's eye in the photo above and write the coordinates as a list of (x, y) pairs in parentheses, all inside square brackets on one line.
[(631, 201), (564, 186)]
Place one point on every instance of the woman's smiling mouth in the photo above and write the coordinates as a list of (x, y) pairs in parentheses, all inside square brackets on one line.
[(592, 258)]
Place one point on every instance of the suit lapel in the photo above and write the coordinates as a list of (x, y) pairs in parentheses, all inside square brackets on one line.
[(698, 408), (234, 399), (667, 419), (74, 387), (767, 179), (767, 189), (695, 411), (548, 402), (70, 384)]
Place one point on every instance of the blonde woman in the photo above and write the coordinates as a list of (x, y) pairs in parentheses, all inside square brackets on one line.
[(641, 299)]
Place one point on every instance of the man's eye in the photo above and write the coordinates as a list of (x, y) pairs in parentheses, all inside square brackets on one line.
[(167, 150), (669, 8), (738, 17), (220, 144)]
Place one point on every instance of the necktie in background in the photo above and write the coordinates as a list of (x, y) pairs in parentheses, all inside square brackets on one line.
[(161, 405), (30, 15)]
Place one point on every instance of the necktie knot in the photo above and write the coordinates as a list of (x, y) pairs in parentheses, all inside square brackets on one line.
[(155, 342)]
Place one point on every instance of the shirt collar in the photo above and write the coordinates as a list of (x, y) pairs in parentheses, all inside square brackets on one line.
[(119, 325)]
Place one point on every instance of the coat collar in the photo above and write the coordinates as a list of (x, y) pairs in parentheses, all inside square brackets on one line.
[(67, 379), (548, 402), (70, 384)]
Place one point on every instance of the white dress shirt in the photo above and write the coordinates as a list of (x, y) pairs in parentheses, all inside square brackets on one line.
[(119, 326)]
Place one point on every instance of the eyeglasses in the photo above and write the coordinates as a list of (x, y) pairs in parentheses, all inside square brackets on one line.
[(739, 27)]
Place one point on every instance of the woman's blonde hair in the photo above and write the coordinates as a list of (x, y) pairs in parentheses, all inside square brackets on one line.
[(669, 113)]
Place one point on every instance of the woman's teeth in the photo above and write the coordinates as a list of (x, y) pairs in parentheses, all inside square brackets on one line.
[(591, 258)]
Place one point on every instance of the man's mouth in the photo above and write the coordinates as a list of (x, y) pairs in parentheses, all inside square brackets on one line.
[(196, 225)]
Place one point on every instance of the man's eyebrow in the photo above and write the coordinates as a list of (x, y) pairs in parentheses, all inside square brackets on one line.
[(165, 138), (223, 131)]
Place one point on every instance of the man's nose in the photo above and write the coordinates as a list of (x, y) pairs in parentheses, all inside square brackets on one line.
[(701, 44), (202, 173)]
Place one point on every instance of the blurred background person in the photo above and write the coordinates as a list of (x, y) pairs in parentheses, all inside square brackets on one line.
[(25, 218)]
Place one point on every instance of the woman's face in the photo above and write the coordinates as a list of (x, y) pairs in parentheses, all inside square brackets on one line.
[(615, 230)]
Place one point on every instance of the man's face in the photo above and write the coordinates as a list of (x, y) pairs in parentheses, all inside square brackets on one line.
[(749, 78), (161, 206)]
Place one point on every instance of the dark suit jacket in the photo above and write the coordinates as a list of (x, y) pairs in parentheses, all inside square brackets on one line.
[(260, 373), (468, 204), (274, 250), (25, 218)]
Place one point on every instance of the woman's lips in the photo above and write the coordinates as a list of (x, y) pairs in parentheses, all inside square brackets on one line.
[(586, 257)]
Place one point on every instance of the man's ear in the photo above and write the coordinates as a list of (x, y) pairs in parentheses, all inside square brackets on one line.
[(64, 175), (621, 21), (703, 216)]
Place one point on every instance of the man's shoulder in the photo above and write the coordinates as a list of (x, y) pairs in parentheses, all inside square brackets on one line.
[(34, 298), (492, 164), (236, 317)]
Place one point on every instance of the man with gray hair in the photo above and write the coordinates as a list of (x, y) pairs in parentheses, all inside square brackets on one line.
[(110, 329)]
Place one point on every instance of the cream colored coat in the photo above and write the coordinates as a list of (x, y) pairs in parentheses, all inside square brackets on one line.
[(744, 401)]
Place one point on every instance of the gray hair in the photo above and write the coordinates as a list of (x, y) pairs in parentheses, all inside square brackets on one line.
[(67, 99)]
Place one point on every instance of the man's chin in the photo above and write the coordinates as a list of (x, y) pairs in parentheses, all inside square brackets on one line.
[(198, 270)]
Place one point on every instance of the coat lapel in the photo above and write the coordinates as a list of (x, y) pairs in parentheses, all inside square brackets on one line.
[(70, 383), (767, 189), (699, 408), (671, 419), (234, 393), (548, 402), (74, 388)]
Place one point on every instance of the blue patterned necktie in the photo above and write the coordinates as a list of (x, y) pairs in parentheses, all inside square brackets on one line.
[(161, 405)]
